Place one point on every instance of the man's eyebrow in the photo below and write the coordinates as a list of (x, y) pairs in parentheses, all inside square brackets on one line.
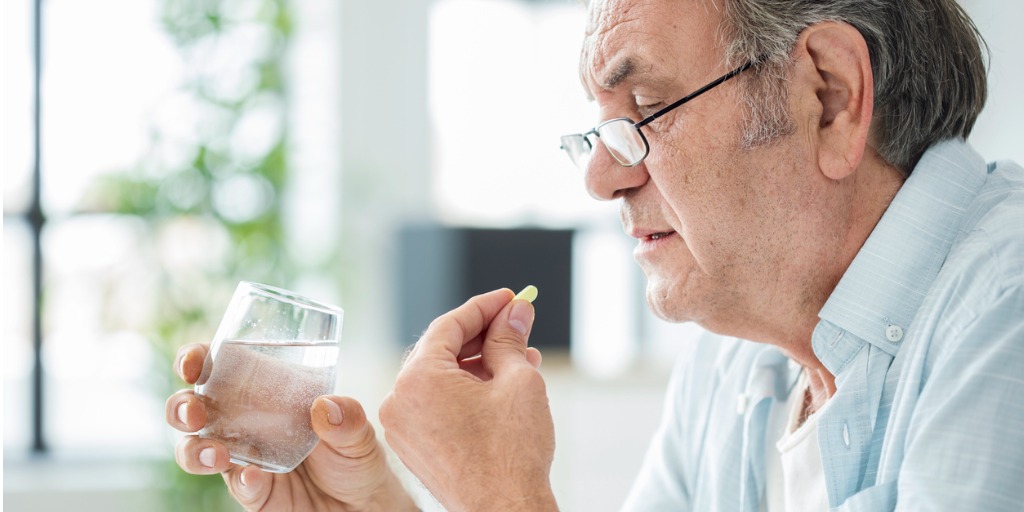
[(619, 73), (624, 69)]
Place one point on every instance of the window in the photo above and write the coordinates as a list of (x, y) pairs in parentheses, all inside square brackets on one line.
[(503, 88), (97, 93), (162, 169)]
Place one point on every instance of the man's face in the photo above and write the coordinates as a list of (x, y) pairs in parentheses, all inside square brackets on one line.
[(717, 225)]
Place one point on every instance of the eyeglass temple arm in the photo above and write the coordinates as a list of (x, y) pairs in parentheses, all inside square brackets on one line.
[(694, 94)]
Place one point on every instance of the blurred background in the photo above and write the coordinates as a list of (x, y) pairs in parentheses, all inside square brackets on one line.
[(390, 157)]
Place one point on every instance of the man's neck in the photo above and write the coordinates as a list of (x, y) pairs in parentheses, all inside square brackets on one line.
[(872, 189), (822, 385)]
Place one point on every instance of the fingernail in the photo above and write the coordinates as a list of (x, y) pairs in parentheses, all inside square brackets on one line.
[(333, 412), (183, 413), (208, 456), (521, 316), (245, 489), (181, 367)]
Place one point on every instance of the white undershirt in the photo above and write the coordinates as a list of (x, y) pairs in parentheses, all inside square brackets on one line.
[(795, 480)]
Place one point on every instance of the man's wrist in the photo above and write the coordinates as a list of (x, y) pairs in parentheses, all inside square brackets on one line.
[(392, 496), (542, 500)]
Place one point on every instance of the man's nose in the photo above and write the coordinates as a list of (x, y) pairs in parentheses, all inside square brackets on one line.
[(606, 179)]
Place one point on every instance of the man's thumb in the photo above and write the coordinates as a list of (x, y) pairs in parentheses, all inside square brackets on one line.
[(341, 424), (506, 341)]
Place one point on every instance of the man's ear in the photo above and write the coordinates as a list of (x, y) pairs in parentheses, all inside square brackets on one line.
[(833, 88)]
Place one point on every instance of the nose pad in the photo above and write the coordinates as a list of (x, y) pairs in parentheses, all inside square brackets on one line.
[(606, 179)]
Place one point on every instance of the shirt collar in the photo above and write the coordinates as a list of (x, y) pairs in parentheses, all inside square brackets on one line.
[(881, 291)]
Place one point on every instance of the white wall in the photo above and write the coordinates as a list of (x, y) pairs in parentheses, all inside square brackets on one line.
[(377, 65), (999, 133)]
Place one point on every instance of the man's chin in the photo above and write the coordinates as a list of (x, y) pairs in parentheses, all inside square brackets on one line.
[(666, 305)]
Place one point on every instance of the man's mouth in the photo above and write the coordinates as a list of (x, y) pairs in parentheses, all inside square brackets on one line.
[(648, 235)]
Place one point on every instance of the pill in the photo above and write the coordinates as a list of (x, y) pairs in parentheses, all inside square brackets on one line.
[(529, 294)]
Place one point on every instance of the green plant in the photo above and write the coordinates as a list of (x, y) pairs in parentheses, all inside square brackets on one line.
[(209, 188)]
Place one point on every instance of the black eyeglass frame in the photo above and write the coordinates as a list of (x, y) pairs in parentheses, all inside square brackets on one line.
[(647, 120)]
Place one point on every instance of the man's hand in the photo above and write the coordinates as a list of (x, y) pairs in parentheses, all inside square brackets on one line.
[(346, 471), (469, 412)]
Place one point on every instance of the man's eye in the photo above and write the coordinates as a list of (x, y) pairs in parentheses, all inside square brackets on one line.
[(646, 107)]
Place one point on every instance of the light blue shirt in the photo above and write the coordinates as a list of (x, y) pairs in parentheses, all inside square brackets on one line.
[(925, 335)]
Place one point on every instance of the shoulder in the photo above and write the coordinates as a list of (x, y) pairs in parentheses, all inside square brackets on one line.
[(705, 381), (987, 257), (715, 359), (979, 291)]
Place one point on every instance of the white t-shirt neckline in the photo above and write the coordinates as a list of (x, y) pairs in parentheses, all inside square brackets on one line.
[(795, 479)]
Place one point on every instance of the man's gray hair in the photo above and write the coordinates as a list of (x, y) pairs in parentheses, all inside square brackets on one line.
[(926, 58)]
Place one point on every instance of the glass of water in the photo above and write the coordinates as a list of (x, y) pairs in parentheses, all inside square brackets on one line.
[(274, 353)]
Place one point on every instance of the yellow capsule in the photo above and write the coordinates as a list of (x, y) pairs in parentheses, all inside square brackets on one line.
[(529, 294)]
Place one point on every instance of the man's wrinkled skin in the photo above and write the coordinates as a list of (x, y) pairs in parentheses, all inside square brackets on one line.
[(747, 242)]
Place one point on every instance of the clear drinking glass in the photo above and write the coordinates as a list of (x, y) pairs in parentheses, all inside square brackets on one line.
[(274, 353)]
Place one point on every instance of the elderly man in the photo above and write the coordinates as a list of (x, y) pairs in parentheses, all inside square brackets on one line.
[(796, 176)]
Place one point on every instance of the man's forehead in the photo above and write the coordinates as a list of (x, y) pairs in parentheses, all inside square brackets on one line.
[(604, 14), (606, 59), (630, 40)]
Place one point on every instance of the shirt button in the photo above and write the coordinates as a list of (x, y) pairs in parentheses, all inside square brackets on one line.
[(846, 434), (894, 333), (741, 404)]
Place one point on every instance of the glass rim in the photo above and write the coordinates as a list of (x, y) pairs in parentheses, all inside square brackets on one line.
[(288, 296)]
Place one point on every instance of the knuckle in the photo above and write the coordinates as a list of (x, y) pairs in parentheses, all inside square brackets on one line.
[(404, 392), (529, 378), (386, 413), (524, 373), (183, 454), (438, 324), (509, 339), (408, 355), (178, 458), (233, 480)]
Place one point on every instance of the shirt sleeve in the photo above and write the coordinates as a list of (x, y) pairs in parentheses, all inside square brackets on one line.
[(660, 484), (965, 442), (667, 475)]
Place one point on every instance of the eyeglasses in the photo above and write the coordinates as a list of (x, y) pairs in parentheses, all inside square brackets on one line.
[(623, 138)]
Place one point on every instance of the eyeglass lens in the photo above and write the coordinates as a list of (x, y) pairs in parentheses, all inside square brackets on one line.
[(578, 148), (623, 141)]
